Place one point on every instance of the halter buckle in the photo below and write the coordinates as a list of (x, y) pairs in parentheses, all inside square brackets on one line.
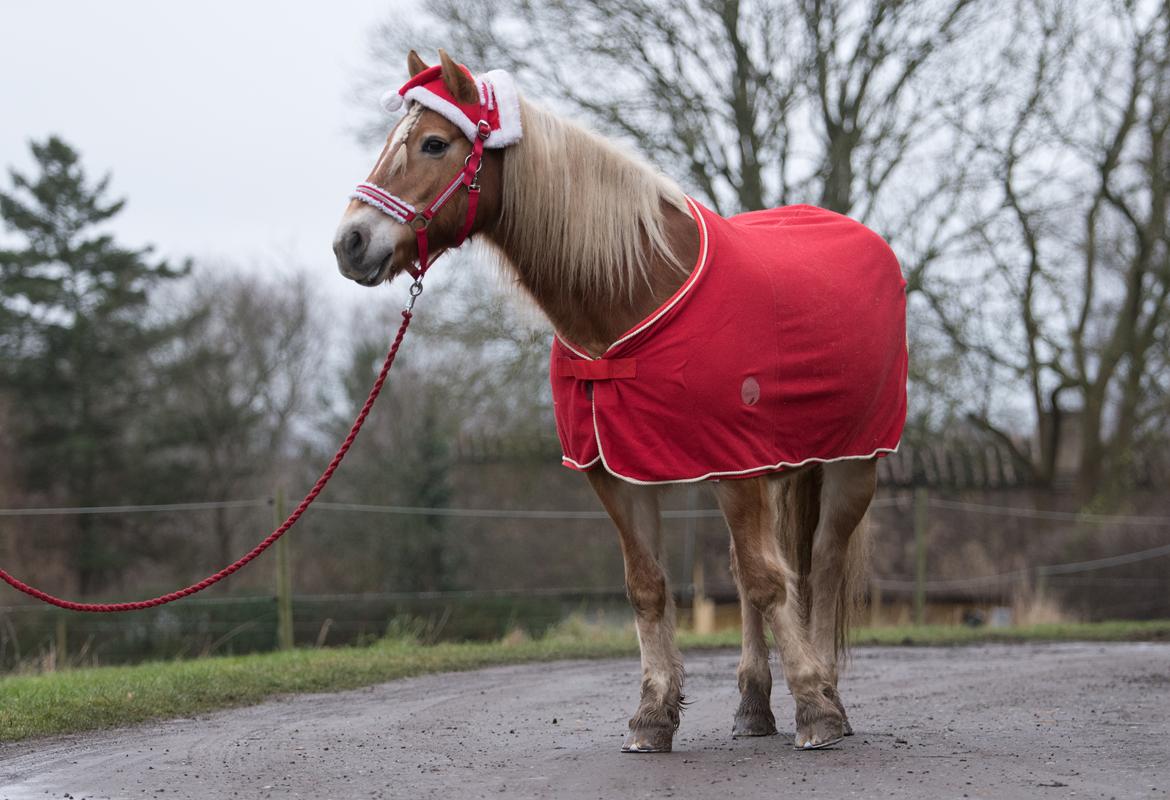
[(473, 184), (483, 129)]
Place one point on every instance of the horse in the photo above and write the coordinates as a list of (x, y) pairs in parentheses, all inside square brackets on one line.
[(607, 247)]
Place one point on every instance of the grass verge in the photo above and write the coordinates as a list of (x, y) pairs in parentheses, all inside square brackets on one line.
[(1112, 631), (87, 699)]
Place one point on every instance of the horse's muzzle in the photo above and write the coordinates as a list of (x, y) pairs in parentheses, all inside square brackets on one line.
[(364, 252)]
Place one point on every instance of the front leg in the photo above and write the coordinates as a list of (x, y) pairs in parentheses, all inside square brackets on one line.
[(634, 510)]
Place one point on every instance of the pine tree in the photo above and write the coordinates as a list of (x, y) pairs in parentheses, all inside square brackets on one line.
[(74, 343)]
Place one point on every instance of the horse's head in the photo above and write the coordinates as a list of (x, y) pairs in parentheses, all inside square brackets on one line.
[(405, 204)]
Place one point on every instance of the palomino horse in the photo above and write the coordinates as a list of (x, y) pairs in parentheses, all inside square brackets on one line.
[(603, 244)]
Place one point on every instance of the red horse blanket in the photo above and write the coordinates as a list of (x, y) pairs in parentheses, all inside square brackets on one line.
[(786, 345)]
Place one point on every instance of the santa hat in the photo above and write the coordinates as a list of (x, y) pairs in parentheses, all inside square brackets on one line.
[(499, 103)]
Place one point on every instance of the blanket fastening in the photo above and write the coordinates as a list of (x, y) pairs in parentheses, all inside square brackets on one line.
[(786, 345)]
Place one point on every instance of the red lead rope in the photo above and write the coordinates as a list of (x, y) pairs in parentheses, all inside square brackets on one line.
[(268, 540)]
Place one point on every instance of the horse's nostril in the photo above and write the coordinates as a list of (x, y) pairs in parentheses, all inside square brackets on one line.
[(355, 244)]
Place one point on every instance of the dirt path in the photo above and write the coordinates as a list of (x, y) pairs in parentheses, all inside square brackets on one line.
[(1059, 721)]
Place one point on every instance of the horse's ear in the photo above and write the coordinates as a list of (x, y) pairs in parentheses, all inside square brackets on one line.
[(414, 64), (461, 86)]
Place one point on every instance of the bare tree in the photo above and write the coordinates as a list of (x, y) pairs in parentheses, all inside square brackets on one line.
[(750, 104), (1067, 306), (235, 386)]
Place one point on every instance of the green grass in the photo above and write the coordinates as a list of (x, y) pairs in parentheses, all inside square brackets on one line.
[(1113, 631), (104, 697)]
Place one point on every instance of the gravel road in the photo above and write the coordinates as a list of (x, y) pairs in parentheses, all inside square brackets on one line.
[(998, 721)]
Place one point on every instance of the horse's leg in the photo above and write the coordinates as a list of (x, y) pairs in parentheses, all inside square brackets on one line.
[(846, 491), (634, 510), (754, 716), (751, 507)]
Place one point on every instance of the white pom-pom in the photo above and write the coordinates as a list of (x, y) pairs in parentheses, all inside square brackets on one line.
[(392, 101)]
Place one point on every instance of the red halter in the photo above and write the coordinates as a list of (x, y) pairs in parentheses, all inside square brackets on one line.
[(402, 211)]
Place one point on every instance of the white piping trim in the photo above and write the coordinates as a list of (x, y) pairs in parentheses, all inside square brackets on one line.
[(686, 288), (445, 196), (881, 451), (700, 265), (572, 463), (572, 349)]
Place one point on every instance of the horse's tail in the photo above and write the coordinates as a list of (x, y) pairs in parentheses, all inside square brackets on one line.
[(851, 603), (800, 511)]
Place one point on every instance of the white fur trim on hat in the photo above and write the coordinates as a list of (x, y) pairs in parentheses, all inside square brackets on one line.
[(501, 88), (391, 101), (503, 91)]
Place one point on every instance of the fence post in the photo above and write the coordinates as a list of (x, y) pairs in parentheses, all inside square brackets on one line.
[(284, 614), (1041, 582), (921, 525), (702, 609)]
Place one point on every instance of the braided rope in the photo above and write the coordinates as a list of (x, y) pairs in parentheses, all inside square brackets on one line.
[(268, 541)]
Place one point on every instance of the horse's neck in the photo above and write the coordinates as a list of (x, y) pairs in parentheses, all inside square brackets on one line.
[(595, 323)]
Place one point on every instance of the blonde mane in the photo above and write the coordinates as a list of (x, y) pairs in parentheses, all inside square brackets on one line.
[(579, 213)]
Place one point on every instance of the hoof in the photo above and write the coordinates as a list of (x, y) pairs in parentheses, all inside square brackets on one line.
[(649, 740), (821, 723), (814, 744), (847, 728), (757, 724), (824, 732)]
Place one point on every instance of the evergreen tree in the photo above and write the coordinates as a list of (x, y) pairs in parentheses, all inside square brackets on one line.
[(75, 338)]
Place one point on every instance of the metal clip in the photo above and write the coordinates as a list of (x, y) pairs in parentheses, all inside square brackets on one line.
[(474, 184), (415, 290)]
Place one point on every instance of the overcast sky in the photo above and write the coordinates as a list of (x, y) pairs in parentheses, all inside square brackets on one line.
[(225, 124)]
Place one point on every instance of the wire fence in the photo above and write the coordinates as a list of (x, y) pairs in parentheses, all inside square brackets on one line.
[(542, 513), (415, 511), (240, 623), (681, 514)]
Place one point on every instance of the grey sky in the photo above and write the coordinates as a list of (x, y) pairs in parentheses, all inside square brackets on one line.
[(225, 124)]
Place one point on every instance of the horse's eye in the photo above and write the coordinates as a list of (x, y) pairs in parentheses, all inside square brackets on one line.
[(434, 146)]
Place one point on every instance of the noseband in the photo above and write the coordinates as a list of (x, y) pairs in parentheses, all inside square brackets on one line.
[(403, 212)]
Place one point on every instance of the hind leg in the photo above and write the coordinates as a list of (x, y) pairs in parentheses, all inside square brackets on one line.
[(770, 585), (754, 716), (634, 510), (846, 491)]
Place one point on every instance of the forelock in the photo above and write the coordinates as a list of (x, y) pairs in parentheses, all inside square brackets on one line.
[(397, 147)]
